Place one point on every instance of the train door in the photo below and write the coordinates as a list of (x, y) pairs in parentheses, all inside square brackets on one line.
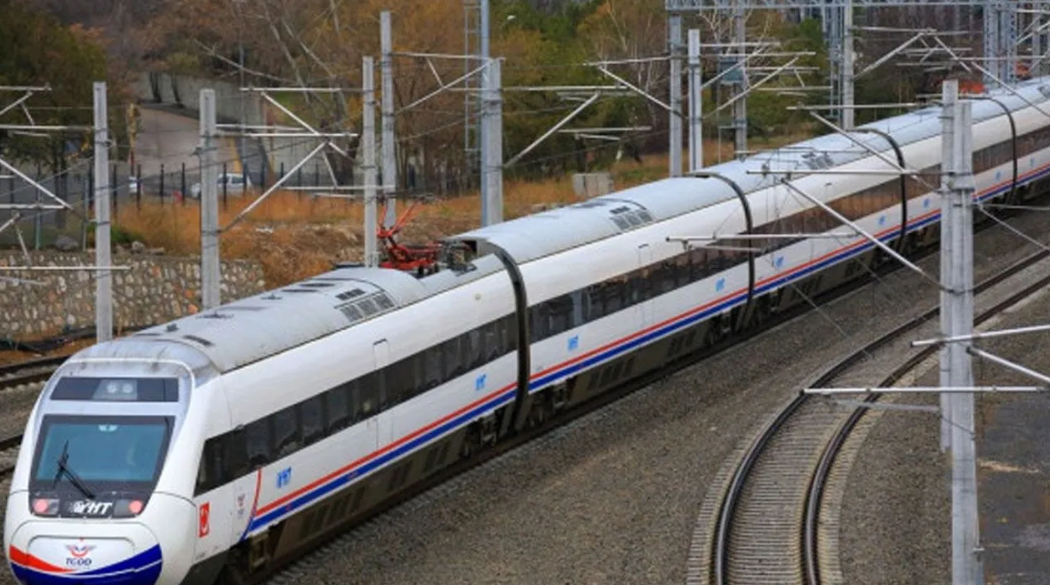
[(642, 286), (381, 429)]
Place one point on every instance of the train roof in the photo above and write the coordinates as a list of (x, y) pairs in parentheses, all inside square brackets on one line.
[(535, 236), (250, 329), (244, 331)]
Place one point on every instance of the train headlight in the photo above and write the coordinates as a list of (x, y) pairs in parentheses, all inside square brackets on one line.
[(128, 508), (45, 506)]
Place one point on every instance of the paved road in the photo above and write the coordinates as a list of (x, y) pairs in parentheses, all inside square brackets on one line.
[(1013, 453), (169, 139)]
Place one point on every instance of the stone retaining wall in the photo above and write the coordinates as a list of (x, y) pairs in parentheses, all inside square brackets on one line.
[(155, 289)]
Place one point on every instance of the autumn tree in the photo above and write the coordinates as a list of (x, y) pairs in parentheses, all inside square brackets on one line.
[(36, 50)]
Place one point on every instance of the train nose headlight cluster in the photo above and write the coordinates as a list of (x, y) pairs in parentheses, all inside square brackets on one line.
[(128, 508), (45, 507)]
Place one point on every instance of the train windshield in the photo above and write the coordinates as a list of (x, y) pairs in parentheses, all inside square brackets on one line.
[(95, 453)]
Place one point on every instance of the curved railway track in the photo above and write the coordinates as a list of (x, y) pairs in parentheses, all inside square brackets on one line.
[(766, 524)]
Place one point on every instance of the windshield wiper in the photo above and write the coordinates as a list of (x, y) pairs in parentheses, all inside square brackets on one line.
[(64, 469)]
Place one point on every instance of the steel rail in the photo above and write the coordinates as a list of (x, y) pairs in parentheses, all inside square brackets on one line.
[(734, 494)]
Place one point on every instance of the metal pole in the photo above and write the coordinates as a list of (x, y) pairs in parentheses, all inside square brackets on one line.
[(368, 143), (103, 280), (847, 66), (483, 40), (386, 67), (492, 147), (990, 21), (674, 42), (1035, 67), (740, 105), (957, 319), (696, 109), (1008, 42), (211, 275)]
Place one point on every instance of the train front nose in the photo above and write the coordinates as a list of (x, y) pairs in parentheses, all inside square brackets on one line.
[(116, 553)]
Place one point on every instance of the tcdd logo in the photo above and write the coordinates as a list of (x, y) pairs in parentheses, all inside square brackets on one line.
[(80, 553)]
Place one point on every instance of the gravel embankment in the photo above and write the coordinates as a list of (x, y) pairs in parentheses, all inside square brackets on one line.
[(613, 497)]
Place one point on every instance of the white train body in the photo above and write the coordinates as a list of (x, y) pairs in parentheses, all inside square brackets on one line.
[(233, 439)]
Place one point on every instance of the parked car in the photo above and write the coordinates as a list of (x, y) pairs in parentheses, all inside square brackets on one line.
[(236, 183)]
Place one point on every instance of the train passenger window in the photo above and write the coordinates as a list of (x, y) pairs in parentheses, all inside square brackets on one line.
[(337, 403), (476, 351), (453, 359), (366, 401), (613, 300), (539, 324), (209, 472), (381, 388), (594, 303), (508, 334), (698, 262), (491, 335), (682, 270), (311, 413), (285, 432), (257, 441), (419, 374), (235, 456), (560, 314), (394, 377), (432, 372), (465, 352)]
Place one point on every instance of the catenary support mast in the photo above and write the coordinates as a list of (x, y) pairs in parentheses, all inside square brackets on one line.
[(104, 281), (210, 269), (957, 412)]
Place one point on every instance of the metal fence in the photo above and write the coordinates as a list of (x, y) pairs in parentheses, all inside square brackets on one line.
[(169, 186)]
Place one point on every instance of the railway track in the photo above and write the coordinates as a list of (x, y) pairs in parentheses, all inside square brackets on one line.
[(22, 375), (766, 522), (29, 372)]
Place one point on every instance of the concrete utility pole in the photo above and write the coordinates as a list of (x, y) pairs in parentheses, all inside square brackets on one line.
[(386, 66), (990, 22), (696, 102), (104, 277), (1008, 41), (211, 276), (957, 409), (1036, 64), (491, 146), (368, 143), (740, 105), (674, 44), (847, 66)]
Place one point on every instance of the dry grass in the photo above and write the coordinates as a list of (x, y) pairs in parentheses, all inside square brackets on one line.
[(295, 236)]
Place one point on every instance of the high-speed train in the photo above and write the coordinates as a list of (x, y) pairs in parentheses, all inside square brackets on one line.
[(221, 443)]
